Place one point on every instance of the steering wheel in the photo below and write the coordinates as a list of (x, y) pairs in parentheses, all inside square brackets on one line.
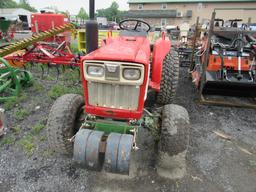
[(138, 22)]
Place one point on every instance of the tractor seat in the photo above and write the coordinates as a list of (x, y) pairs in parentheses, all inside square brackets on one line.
[(217, 24)]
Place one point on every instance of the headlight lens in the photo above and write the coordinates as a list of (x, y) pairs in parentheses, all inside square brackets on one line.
[(132, 74), (95, 71)]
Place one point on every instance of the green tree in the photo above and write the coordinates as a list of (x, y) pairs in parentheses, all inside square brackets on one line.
[(66, 13), (25, 5), (8, 4), (111, 13), (82, 14)]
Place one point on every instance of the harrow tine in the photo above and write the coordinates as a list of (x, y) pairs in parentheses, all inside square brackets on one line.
[(63, 68), (48, 69), (58, 73), (42, 68), (31, 65)]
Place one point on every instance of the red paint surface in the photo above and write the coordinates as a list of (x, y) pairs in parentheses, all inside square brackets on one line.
[(161, 49)]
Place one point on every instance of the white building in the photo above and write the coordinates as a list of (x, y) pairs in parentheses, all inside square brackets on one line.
[(17, 14)]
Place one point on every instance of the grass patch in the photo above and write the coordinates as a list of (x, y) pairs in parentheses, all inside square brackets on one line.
[(50, 78), (27, 144), (48, 153), (71, 76), (42, 138), (68, 83), (38, 86), (10, 103), (7, 140), (37, 128), (16, 129), (21, 114), (61, 89)]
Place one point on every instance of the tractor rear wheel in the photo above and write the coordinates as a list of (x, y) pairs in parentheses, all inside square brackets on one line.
[(63, 122), (174, 141), (170, 78)]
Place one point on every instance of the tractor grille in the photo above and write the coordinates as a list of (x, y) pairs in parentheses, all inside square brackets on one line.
[(113, 95)]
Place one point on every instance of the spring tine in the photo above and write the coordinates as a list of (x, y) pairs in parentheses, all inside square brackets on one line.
[(63, 68), (58, 72), (48, 69), (31, 65), (42, 68)]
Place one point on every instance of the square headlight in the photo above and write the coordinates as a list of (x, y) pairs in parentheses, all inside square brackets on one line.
[(131, 74), (95, 71)]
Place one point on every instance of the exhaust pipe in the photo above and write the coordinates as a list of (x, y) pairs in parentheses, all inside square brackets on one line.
[(92, 31)]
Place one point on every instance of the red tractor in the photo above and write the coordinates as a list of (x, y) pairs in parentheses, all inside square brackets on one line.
[(101, 127)]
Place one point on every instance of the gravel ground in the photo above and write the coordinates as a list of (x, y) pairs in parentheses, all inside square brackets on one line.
[(213, 163)]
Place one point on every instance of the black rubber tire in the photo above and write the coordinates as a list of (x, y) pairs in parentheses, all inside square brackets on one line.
[(170, 78), (62, 122), (174, 138)]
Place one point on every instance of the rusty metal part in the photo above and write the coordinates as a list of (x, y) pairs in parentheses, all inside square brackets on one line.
[(207, 52), (249, 103), (192, 64)]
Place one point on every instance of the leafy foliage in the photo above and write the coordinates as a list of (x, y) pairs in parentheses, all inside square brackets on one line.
[(82, 14), (66, 13), (112, 13), (25, 5), (8, 4), (12, 4)]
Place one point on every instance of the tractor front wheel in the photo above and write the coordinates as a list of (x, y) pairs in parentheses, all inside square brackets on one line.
[(63, 122), (170, 78), (174, 140)]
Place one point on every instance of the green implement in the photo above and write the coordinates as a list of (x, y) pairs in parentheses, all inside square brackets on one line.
[(4, 25), (12, 80)]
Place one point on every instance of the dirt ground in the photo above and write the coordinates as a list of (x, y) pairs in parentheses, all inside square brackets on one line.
[(213, 163)]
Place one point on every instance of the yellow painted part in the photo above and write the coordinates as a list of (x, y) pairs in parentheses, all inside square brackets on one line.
[(102, 35)]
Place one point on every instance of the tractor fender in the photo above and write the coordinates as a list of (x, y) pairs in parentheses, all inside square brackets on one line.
[(160, 50)]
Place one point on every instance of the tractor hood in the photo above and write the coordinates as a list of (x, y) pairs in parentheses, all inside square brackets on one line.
[(123, 48)]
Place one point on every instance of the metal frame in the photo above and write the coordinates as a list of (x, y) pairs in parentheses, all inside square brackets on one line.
[(46, 54)]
